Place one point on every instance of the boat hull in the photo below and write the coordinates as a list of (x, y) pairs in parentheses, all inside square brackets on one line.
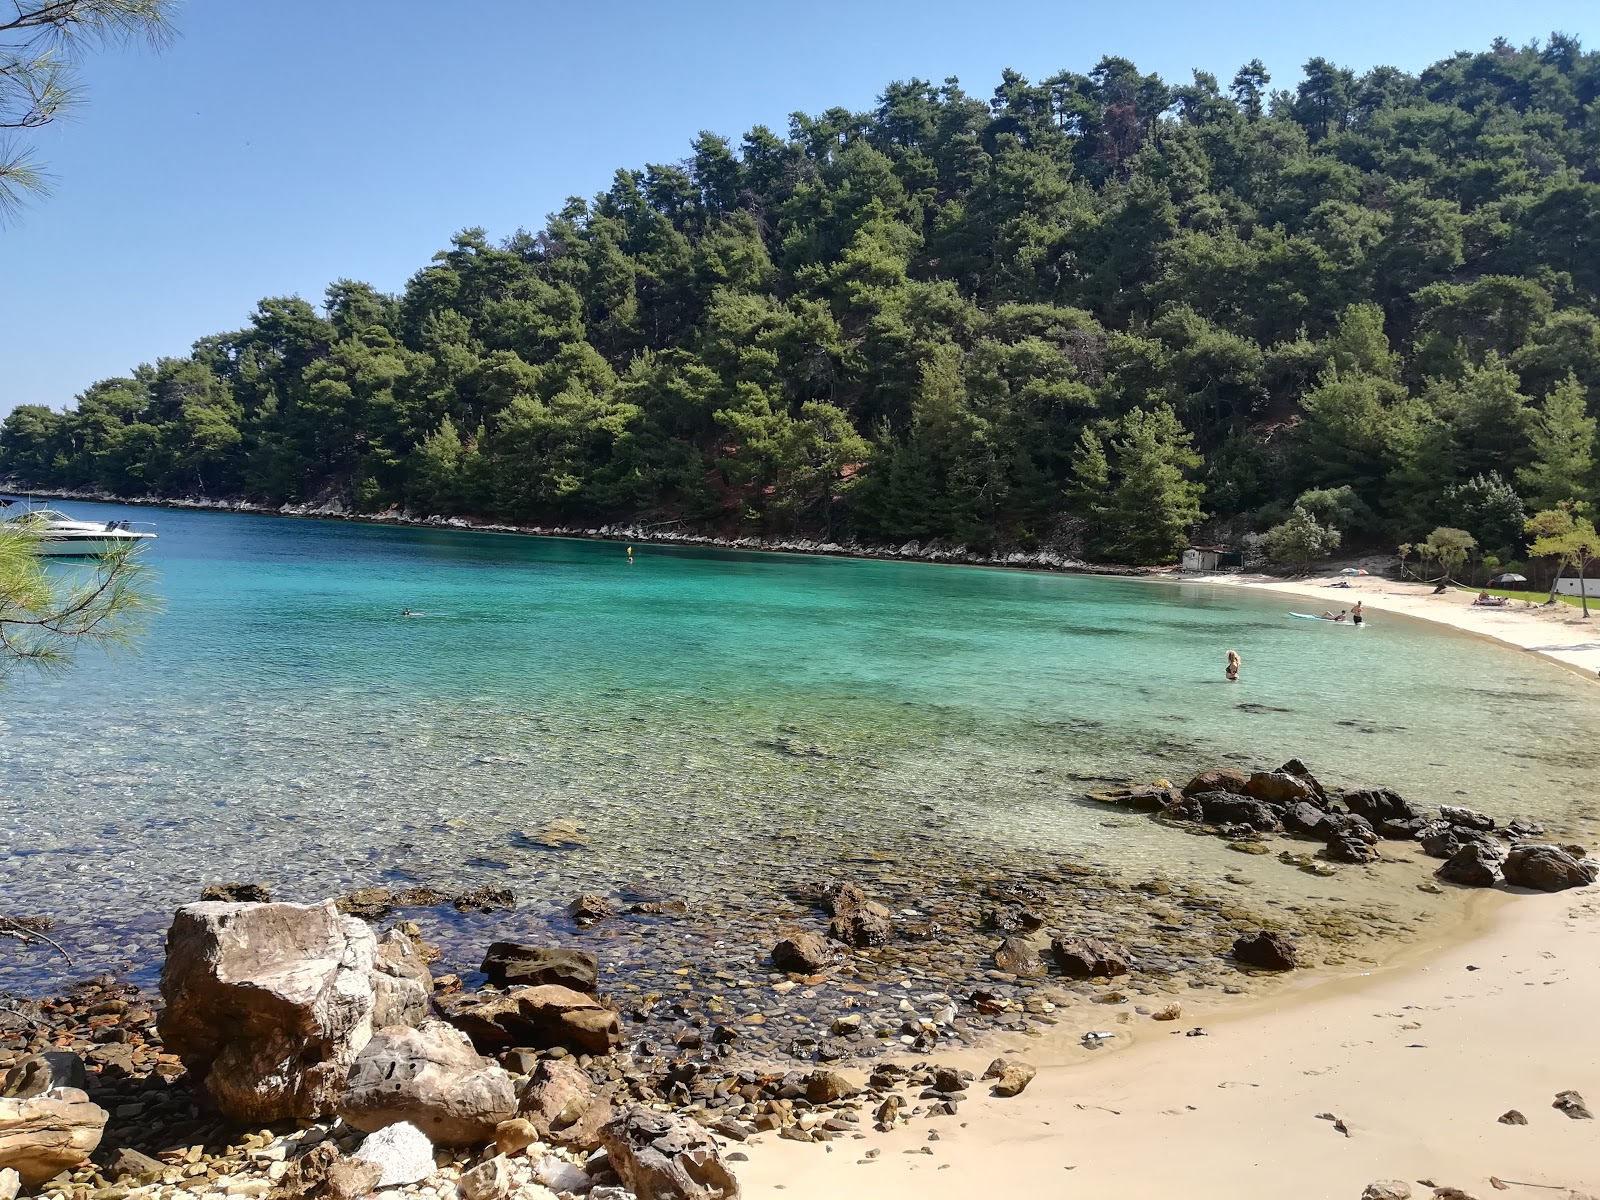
[(86, 547)]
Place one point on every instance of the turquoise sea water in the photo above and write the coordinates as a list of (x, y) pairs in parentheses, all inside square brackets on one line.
[(713, 720)]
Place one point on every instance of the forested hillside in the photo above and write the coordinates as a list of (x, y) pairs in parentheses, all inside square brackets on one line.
[(1097, 310)]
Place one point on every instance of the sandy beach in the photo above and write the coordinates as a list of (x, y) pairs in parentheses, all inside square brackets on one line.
[(1559, 632), (1419, 1061)]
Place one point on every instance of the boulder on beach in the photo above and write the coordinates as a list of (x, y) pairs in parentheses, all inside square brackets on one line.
[(1266, 951), (1306, 820), (1547, 869), (1349, 838), (1010, 1076), (1476, 864), (804, 953), (1278, 787), (1303, 773), (660, 1156), (1227, 808), (564, 1106), (540, 1017), (1440, 839), (431, 1077), (1385, 809), (1218, 779), (45, 1134), (1085, 958), (1466, 818), (856, 920), (513, 964), (269, 1004)]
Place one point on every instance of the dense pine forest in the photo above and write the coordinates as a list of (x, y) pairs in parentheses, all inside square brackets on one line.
[(1098, 312)]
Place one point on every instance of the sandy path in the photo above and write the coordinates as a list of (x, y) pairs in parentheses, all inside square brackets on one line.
[(1419, 1060), (1559, 633)]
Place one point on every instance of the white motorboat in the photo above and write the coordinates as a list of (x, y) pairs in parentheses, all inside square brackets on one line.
[(60, 536)]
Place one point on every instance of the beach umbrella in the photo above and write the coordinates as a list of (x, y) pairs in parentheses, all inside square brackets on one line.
[(1509, 577), (1352, 571)]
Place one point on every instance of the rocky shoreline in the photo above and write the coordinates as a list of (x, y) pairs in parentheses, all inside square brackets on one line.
[(294, 1051), (668, 533)]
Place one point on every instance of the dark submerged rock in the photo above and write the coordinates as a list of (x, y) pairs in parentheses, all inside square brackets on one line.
[(1266, 951), (238, 893), (804, 953), (857, 921), (513, 964), (1467, 818), (1084, 958)]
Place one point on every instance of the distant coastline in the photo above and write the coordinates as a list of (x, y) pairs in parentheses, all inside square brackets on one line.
[(648, 533)]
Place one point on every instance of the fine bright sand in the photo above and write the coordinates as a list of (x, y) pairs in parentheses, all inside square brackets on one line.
[(1418, 1059)]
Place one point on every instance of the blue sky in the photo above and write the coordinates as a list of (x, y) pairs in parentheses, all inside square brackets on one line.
[(277, 146)]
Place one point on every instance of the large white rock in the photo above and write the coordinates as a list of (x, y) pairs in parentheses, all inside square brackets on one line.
[(431, 1077), (268, 1004), (559, 1175), (41, 1136), (403, 1151)]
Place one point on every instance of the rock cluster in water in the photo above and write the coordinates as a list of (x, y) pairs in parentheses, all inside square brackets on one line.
[(1246, 806)]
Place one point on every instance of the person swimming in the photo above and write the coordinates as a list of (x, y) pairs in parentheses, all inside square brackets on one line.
[(1232, 670), (1328, 616)]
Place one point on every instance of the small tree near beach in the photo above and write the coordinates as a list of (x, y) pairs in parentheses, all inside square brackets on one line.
[(1300, 541), (45, 614), (1566, 535), (1448, 547)]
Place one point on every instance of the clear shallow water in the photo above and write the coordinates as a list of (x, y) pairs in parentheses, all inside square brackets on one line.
[(719, 723)]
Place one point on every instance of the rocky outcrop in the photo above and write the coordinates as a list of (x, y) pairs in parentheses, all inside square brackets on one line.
[(42, 1135), (540, 1017), (432, 1078), (1266, 951), (804, 953), (563, 1105), (1084, 958), (664, 1157), (856, 920), (1010, 1076), (1476, 864), (512, 964), (1306, 820), (269, 1004), (1547, 869), (1218, 779)]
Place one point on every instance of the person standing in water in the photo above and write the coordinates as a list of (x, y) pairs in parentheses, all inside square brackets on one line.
[(1234, 663), (1355, 613)]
